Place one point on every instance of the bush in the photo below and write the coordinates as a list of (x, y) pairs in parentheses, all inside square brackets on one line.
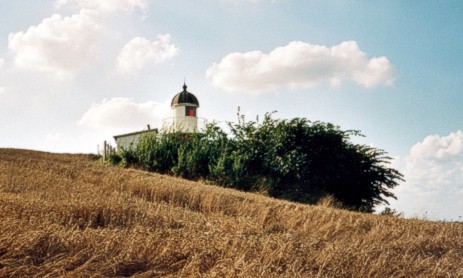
[(293, 159), (114, 159)]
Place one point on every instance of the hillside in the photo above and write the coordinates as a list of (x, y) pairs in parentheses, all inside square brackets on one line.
[(67, 215)]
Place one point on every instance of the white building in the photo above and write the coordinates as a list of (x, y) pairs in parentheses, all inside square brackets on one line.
[(129, 140), (185, 113), (185, 119)]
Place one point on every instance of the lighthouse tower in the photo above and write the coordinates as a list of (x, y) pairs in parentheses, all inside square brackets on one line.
[(184, 108)]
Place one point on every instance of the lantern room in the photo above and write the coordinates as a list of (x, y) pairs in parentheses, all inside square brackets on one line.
[(184, 108)]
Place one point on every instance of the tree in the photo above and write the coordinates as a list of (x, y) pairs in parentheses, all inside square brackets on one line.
[(305, 161)]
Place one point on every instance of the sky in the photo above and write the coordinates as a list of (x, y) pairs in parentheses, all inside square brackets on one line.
[(73, 73)]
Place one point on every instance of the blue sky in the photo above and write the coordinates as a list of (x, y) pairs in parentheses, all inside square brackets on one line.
[(75, 72)]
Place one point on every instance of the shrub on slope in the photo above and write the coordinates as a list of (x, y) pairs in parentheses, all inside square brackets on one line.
[(293, 159)]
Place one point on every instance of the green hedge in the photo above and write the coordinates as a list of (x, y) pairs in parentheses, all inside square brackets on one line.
[(293, 159)]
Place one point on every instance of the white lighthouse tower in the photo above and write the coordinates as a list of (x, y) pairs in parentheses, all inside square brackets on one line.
[(185, 111)]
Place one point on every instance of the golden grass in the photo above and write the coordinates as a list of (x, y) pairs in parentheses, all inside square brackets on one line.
[(66, 215)]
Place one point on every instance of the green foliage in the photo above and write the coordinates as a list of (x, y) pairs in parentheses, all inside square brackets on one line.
[(292, 159), (114, 159)]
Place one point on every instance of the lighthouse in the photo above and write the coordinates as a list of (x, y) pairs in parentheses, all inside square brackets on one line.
[(185, 120), (185, 111)]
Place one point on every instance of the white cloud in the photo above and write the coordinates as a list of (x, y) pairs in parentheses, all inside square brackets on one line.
[(2, 62), (106, 5), (125, 114), (439, 148), (140, 51), (59, 45), (62, 46), (433, 172), (299, 65)]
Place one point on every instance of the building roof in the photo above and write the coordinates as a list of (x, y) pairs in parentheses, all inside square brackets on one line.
[(184, 97), (135, 133)]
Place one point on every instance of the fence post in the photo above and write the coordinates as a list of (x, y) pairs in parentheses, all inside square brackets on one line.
[(105, 147)]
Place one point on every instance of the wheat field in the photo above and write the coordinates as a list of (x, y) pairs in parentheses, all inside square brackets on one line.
[(69, 216)]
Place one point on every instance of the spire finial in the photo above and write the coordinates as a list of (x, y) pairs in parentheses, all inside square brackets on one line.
[(184, 84)]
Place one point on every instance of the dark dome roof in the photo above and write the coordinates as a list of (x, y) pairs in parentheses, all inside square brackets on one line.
[(184, 98)]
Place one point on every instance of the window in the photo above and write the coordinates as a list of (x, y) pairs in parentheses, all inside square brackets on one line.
[(190, 111)]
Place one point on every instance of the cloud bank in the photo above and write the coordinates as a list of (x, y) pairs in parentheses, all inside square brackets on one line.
[(63, 46), (59, 45), (299, 65), (140, 51), (124, 113), (434, 176)]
